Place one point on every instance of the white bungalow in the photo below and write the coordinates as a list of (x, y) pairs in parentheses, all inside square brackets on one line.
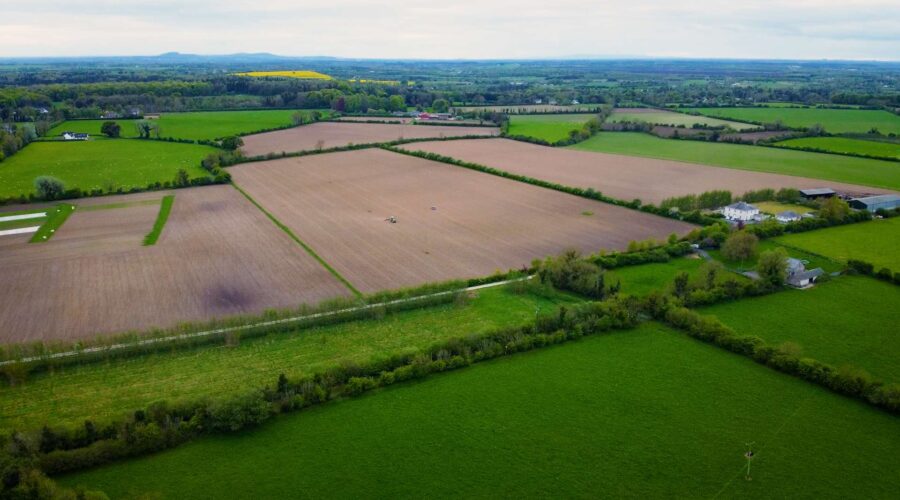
[(740, 211), (787, 216)]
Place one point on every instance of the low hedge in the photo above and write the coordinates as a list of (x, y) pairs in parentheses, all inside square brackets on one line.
[(868, 269)]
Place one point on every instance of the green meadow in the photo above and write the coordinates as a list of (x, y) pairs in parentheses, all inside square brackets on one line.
[(206, 125), (673, 118), (849, 320), (875, 242), (836, 121), (647, 413), (102, 391), (101, 164), (551, 128), (846, 145), (876, 173)]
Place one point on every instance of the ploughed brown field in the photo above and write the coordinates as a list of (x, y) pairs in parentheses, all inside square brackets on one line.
[(618, 176), (218, 256), (451, 222), (334, 134)]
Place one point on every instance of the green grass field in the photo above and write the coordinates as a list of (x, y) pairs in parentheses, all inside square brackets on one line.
[(774, 207), (875, 242), (195, 125), (645, 414), (837, 168), (846, 145), (645, 278), (673, 118), (836, 121), (100, 164), (106, 390), (551, 128), (849, 320)]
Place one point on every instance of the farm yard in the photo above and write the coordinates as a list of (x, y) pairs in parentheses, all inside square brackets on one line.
[(849, 320), (835, 121), (195, 125), (618, 176), (663, 117), (875, 242), (103, 165), (606, 412), (217, 256), (551, 128), (835, 168), (324, 135), (451, 222), (68, 395), (846, 145)]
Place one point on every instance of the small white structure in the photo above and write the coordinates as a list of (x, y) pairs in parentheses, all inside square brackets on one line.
[(75, 136), (798, 276), (740, 211), (787, 216)]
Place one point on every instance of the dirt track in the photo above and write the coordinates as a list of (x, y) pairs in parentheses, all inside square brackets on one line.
[(333, 134), (619, 176), (218, 256), (338, 202)]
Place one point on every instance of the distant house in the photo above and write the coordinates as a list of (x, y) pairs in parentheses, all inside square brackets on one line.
[(812, 194), (873, 203), (740, 211), (109, 115), (151, 116), (787, 216), (575, 102), (75, 136), (799, 277)]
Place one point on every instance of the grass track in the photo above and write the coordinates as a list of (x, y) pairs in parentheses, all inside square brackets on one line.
[(846, 145), (165, 207), (105, 390), (866, 172), (55, 219), (628, 414), (851, 319), (674, 118)]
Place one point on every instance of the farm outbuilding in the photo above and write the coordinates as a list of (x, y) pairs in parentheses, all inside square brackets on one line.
[(873, 203), (812, 194)]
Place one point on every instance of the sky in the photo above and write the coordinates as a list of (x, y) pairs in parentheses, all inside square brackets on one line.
[(457, 29)]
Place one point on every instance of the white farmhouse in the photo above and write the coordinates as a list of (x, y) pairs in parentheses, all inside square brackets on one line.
[(740, 211), (787, 216)]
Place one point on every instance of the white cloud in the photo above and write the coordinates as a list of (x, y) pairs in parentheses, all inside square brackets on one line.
[(861, 29)]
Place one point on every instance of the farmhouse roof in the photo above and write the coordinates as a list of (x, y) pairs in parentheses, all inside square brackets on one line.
[(788, 214), (816, 191), (746, 207), (871, 200), (805, 275)]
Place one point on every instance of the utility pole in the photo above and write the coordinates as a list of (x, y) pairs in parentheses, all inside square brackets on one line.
[(749, 457)]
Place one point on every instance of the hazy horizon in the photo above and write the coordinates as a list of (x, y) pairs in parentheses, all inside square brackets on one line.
[(866, 30)]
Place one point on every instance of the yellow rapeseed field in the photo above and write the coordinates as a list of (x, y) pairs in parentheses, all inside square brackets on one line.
[(314, 75)]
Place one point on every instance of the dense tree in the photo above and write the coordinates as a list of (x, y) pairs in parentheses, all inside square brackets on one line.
[(110, 129), (772, 266), (440, 106), (834, 209), (232, 143), (740, 245), (49, 188)]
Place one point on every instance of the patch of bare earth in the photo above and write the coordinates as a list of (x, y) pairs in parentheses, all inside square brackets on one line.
[(451, 222), (324, 135), (619, 176), (218, 256)]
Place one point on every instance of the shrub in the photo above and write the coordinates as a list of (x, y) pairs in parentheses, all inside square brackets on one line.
[(49, 188), (237, 413)]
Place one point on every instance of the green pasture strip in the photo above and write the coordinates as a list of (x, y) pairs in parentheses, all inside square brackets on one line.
[(876, 242), (674, 118), (55, 219), (838, 168), (849, 320), (300, 242), (165, 207), (645, 278), (551, 128), (836, 121), (67, 395), (112, 206), (101, 165), (845, 145), (16, 224), (646, 413), (775, 207)]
